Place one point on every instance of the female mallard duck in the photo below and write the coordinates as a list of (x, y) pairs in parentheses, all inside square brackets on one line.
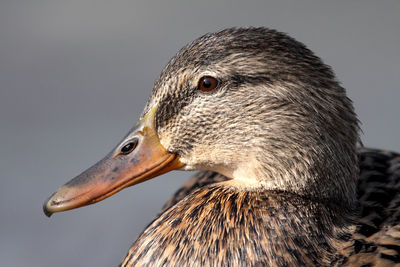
[(275, 138)]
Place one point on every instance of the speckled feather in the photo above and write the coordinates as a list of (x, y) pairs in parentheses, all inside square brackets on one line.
[(242, 228), (281, 129), (376, 239)]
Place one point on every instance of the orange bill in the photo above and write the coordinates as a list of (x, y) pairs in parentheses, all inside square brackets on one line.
[(139, 157)]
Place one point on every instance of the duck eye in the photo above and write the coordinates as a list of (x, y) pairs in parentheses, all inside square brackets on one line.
[(129, 147), (207, 83)]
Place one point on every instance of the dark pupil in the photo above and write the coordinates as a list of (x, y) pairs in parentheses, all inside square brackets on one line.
[(126, 149), (206, 83)]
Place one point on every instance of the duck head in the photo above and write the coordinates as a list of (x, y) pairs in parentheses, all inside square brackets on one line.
[(250, 103)]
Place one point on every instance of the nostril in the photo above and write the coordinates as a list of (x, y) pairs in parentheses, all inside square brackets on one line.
[(129, 147)]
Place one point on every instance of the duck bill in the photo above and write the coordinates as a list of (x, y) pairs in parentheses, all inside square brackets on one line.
[(117, 170)]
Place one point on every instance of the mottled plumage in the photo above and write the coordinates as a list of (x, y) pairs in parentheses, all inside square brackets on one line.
[(324, 210), (220, 217), (281, 182), (375, 240)]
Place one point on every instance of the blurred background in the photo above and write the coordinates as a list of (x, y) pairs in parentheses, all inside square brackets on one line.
[(75, 75)]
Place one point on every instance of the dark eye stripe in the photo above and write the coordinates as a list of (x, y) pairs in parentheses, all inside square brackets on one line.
[(254, 81), (175, 100), (171, 104)]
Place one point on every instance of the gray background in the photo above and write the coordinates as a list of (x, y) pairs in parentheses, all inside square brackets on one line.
[(74, 76)]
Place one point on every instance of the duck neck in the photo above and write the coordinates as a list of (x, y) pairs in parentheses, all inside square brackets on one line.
[(324, 173), (220, 225)]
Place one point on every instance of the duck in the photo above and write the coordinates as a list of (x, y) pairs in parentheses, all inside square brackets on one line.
[(283, 178)]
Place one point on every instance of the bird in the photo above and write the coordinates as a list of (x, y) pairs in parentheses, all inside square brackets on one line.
[(283, 178)]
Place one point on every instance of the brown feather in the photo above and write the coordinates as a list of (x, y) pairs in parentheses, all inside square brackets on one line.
[(280, 127), (212, 224)]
